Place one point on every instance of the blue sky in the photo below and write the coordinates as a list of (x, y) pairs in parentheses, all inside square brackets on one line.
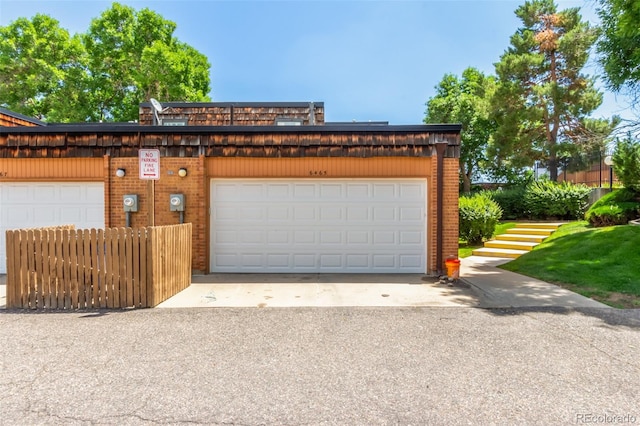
[(366, 60)]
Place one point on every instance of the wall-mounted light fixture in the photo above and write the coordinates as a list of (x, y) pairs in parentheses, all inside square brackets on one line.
[(121, 172), (182, 172)]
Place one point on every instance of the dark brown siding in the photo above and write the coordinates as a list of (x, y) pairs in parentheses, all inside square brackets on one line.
[(12, 121), (228, 114), (222, 144)]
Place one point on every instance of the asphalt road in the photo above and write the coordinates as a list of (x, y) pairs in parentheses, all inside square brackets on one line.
[(299, 366)]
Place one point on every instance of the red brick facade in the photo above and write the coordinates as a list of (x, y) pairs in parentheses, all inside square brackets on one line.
[(206, 152)]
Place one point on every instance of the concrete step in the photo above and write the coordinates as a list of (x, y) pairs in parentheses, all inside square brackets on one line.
[(516, 245), (540, 225), (521, 237), (495, 252), (531, 231)]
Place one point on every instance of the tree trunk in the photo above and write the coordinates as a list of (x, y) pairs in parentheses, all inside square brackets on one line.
[(466, 179), (553, 167)]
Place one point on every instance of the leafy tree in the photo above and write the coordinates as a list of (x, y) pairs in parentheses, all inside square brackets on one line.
[(619, 45), (125, 58), (37, 58), (133, 57), (626, 163), (465, 100), (542, 96)]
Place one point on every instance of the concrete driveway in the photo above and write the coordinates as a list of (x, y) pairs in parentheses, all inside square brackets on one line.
[(483, 285)]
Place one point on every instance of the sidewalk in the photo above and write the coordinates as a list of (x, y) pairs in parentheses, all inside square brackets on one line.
[(498, 288), (482, 285)]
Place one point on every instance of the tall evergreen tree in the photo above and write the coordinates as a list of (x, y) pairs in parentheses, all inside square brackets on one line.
[(543, 97)]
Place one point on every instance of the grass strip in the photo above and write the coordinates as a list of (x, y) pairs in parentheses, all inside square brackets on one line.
[(600, 263)]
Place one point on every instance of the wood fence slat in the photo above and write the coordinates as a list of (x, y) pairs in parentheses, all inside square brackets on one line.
[(23, 282), (135, 272), (128, 263), (102, 270), (45, 280), (93, 267), (66, 270), (121, 268), (11, 270), (79, 268), (145, 273), (59, 269), (153, 259), (53, 278), (112, 292), (73, 268), (38, 261), (86, 269), (32, 289)]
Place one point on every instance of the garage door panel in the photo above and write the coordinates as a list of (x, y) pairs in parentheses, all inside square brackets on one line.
[(278, 260), (384, 237), (304, 191), (278, 213), (411, 238), (304, 260), (318, 226), (411, 190), (332, 191), (332, 238), (357, 261), (356, 213), (409, 261), (304, 213), (281, 191), (332, 213), (278, 237)]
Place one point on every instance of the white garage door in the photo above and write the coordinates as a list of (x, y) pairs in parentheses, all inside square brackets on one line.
[(354, 226), (32, 205)]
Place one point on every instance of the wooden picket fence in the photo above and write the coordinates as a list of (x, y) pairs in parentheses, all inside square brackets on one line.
[(63, 268)]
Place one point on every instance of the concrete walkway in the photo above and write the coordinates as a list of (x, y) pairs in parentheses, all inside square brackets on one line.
[(482, 285), (498, 288)]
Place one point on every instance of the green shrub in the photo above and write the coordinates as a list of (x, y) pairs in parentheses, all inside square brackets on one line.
[(615, 208), (479, 215), (626, 163), (510, 201), (544, 199)]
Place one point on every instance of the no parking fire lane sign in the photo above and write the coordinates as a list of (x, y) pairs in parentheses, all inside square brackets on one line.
[(149, 163)]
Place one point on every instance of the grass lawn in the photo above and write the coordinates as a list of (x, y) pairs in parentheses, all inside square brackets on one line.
[(600, 263), (464, 249)]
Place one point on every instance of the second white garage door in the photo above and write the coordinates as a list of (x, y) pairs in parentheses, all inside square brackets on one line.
[(353, 226)]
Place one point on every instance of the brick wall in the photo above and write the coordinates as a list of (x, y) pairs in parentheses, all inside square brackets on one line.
[(156, 194), (195, 187), (451, 218), (450, 213)]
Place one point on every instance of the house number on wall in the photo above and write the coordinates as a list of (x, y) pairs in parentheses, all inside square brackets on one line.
[(317, 172), (3, 174)]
